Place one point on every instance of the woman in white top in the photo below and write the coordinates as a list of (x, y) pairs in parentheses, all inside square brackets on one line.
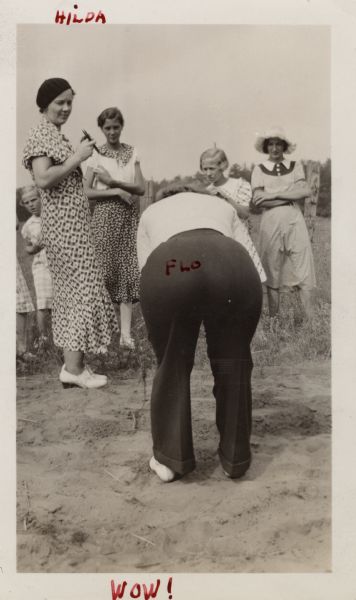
[(194, 271), (213, 163), (113, 178), (278, 187)]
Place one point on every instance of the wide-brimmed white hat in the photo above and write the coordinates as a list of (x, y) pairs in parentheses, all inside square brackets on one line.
[(274, 132)]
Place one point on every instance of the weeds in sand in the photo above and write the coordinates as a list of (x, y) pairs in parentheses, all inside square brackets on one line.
[(290, 338), (284, 339)]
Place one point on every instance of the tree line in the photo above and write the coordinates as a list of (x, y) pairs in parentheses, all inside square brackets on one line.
[(236, 170)]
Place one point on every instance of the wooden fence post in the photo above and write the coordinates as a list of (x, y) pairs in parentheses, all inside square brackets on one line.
[(147, 199), (313, 179)]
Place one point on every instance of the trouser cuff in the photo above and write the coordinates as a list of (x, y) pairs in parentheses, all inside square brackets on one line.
[(182, 467), (235, 470)]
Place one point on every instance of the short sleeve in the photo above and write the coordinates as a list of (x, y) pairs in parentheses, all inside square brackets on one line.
[(34, 148), (298, 171), (24, 232), (257, 178), (46, 140)]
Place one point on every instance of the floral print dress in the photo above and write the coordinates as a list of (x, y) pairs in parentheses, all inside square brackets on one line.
[(115, 223), (83, 317)]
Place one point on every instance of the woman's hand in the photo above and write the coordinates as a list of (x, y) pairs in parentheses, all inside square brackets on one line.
[(122, 195), (103, 175), (115, 186), (267, 200), (33, 247), (243, 212), (84, 150), (260, 196), (212, 189)]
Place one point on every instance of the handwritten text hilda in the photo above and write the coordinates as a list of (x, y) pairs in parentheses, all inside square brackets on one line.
[(145, 591), (69, 18)]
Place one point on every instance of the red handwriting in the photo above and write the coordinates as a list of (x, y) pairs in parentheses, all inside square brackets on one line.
[(169, 588), (139, 590), (68, 18), (171, 264)]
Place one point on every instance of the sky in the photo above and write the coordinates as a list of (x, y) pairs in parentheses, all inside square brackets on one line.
[(182, 88)]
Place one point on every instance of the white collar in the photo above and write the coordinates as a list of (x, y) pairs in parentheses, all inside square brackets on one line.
[(269, 164)]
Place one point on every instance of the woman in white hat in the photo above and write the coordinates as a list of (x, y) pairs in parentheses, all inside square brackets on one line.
[(278, 185)]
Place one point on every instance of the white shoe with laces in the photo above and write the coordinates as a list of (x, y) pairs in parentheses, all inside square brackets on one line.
[(90, 370), (164, 473), (85, 379)]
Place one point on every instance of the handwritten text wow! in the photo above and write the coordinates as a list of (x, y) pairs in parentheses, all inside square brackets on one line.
[(140, 590)]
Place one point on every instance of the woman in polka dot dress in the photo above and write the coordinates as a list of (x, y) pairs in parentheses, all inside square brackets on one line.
[(83, 315), (113, 178)]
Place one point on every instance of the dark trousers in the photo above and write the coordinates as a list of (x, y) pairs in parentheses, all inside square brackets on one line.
[(222, 290)]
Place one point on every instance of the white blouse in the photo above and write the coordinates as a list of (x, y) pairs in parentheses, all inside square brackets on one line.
[(120, 170), (184, 212)]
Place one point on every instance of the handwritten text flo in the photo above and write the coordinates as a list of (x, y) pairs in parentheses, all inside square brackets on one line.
[(171, 264), (138, 590), (63, 18)]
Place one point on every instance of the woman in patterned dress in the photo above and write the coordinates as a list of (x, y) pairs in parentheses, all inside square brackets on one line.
[(83, 315), (113, 178), (278, 186)]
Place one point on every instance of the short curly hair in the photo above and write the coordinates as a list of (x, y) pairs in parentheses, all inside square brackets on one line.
[(179, 188), (28, 190), (110, 113)]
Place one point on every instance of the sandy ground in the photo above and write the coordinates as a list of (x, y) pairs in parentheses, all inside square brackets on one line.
[(87, 501)]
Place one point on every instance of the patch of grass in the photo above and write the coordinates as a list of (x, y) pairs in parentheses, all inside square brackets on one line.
[(281, 340), (288, 338)]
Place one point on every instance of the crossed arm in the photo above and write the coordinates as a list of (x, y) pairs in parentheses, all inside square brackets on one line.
[(115, 187), (299, 191)]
